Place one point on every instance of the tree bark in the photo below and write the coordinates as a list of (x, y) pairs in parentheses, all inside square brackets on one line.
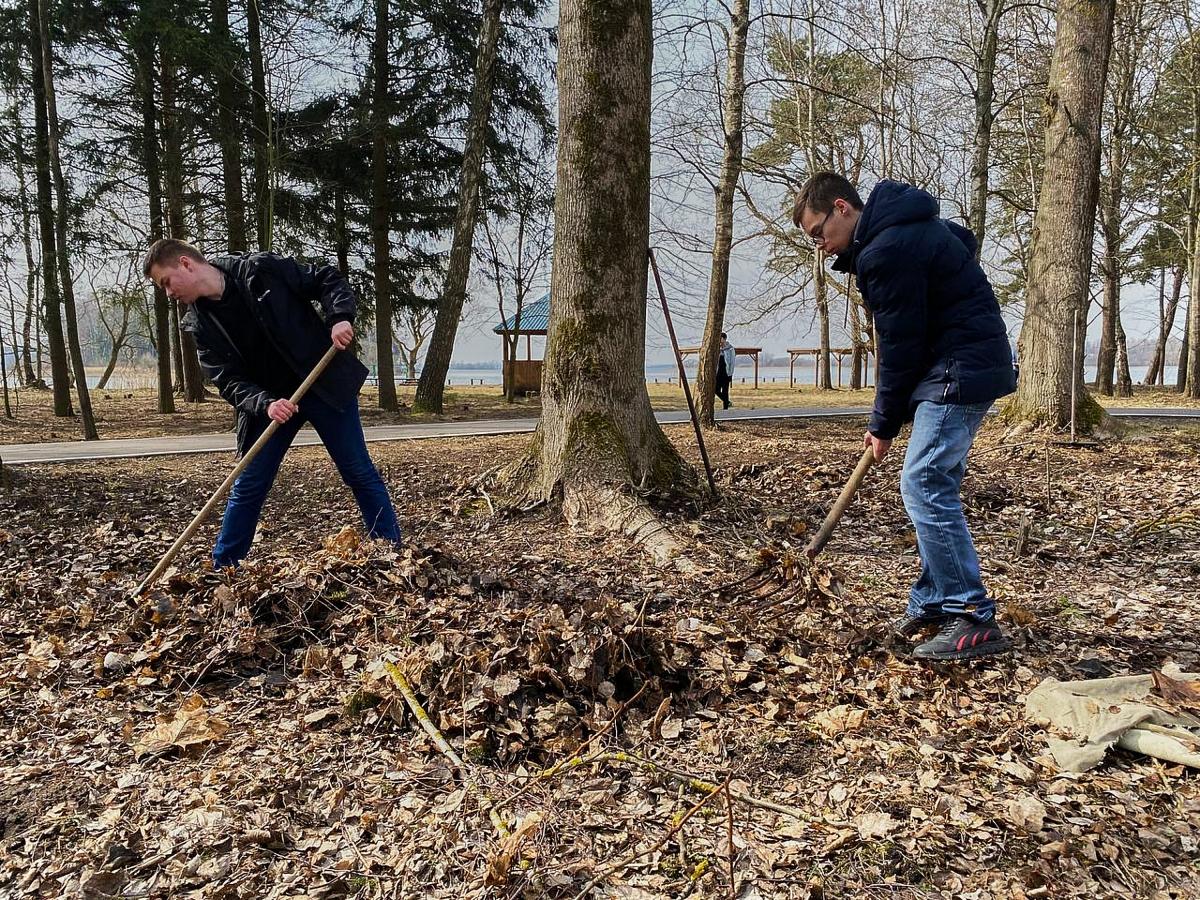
[(261, 129), (985, 93), (821, 297), (1126, 52), (431, 387), (858, 356), (384, 366), (1189, 370), (727, 180), (598, 437), (52, 306), (231, 150), (1061, 251), (189, 360), (144, 53)]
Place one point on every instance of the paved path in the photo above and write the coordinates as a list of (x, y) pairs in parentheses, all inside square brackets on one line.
[(73, 451)]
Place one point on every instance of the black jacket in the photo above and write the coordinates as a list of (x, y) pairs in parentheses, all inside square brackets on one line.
[(282, 294), (940, 333)]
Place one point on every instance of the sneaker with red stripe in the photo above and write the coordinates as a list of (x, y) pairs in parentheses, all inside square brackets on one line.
[(961, 637)]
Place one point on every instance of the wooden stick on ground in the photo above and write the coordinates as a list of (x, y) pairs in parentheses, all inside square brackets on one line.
[(439, 741), (227, 484)]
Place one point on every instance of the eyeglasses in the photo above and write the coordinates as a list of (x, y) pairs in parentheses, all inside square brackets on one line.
[(817, 236)]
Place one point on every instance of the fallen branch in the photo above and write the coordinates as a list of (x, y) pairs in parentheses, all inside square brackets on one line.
[(423, 717), (442, 744)]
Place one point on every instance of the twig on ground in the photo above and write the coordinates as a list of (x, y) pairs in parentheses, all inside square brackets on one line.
[(632, 858)]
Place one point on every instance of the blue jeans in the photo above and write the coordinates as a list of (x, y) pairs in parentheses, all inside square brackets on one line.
[(950, 583), (341, 431)]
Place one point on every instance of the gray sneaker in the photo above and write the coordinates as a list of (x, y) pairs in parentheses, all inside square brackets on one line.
[(909, 626)]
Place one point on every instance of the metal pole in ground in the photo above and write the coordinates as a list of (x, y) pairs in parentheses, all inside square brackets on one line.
[(1074, 368), (687, 391)]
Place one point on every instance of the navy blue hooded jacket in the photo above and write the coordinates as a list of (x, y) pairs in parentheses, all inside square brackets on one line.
[(283, 296), (939, 329)]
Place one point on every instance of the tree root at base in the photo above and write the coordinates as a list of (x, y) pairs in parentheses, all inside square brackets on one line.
[(608, 507)]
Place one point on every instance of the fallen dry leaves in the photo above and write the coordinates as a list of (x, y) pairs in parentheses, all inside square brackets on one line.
[(239, 737)]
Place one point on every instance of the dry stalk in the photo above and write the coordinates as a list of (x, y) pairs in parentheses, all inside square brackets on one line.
[(632, 858)]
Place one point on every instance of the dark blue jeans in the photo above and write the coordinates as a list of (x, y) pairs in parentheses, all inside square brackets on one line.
[(950, 583), (342, 434)]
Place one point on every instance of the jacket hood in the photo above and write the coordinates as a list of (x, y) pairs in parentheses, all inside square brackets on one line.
[(891, 203)]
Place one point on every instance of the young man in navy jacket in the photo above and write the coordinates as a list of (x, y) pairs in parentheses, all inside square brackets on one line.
[(259, 334), (943, 358)]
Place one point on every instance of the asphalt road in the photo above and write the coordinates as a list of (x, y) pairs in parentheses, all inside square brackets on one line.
[(77, 451)]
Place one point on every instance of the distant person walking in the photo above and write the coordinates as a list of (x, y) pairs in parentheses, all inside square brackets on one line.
[(725, 370), (259, 334)]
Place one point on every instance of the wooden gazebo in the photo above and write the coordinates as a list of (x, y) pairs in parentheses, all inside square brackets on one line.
[(752, 352), (524, 374)]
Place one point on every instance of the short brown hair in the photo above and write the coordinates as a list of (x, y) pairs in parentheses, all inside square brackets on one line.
[(819, 192), (167, 251)]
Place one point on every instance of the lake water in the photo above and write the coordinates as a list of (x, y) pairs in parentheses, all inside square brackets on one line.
[(658, 373)]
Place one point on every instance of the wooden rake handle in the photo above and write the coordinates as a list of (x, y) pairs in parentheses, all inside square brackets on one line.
[(821, 538), (219, 493)]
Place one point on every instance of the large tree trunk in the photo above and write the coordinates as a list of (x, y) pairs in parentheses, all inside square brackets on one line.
[(261, 129), (189, 361), (598, 438), (1061, 251), (144, 53), (727, 179), (62, 220), (384, 367), (52, 309), (1157, 368), (230, 134), (441, 343), (985, 92)]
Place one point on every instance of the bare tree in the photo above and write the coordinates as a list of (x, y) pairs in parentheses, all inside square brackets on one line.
[(598, 441), (518, 239), (454, 292), (727, 179), (380, 115), (1061, 252)]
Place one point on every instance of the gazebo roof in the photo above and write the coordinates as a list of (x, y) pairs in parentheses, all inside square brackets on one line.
[(535, 318)]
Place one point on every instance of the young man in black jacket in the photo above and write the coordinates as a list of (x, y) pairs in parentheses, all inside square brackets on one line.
[(943, 358), (259, 335)]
